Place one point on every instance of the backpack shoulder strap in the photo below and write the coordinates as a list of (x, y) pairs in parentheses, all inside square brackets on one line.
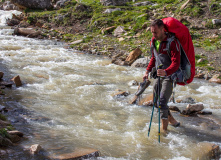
[(170, 39)]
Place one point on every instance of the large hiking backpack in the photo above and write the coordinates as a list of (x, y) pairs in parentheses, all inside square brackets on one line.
[(187, 62)]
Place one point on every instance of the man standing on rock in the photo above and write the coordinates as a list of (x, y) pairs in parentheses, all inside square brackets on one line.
[(170, 64)]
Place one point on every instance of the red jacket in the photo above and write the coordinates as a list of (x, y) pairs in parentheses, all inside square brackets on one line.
[(175, 57)]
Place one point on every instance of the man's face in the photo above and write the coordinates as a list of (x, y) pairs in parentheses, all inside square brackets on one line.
[(157, 32)]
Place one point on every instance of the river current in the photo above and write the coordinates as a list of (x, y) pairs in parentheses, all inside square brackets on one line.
[(67, 97)]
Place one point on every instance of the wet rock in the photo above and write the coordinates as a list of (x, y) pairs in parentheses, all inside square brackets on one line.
[(195, 107), (133, 56), (189, 100), (2, 108), (147, 100), (113, 2), (205, 112), (112, 10), (81, 153), (210, 150), (1, 75), (6, 84), (5, 142), (133, 83), (17, 81), (118, 31), (192, 109), (34, 149), (4, 123), (33, 4), (199, 75), (216, 79), (14, 138), (174, 108), (15, 132), (12, 22), (29, 32), (141, 62), (121, 93)]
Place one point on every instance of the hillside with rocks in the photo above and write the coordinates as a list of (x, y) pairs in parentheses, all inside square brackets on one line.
[(115, 28)]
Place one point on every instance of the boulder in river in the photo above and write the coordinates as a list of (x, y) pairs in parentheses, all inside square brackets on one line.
[(34, 149), (192, 109), (81, 153), (17, 81), (29, 32)]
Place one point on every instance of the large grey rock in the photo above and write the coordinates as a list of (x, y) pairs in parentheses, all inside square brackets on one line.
[(141, 62), (114, 2), (33, 4)]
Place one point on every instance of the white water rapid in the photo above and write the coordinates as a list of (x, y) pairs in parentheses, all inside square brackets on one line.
[(68, 103)]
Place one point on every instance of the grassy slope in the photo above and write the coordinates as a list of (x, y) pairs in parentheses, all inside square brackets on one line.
[(92, 21)]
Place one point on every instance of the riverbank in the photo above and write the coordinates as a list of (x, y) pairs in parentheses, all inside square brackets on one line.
[(85, 30), (111, 46)]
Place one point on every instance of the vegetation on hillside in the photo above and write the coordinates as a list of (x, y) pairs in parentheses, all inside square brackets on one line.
[(89, 14)]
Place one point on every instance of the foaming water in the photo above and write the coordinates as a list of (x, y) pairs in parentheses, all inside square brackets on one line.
[(69, 96)]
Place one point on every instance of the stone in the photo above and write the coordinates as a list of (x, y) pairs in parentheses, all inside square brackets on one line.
[(185, 4), (76, 42), (33, 4), (80, 153), (133, 83), (17, 81), (15, 132), (1, 75), (29, 32), (210, 150), (147, 100), (195, 107), (34, 149), (14, 138), (111, 10), (121, 39), (119, 31), (12, 22), (189, 100), (216, 21), (133, 56), (174, 108), (7, 5), (140, 62), (114, 2), (59, 4), (107, 30), (121, 93), (5, 142), (216, 79), (200, 75), (204, 112), (143, 3)]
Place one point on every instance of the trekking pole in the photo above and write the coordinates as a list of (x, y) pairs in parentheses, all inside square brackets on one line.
[(154, 102), (158, 90)]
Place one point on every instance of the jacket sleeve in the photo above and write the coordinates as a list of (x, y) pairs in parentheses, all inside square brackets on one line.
[(175, 58), (151, 63)]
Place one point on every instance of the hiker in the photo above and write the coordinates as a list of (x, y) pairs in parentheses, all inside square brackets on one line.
[(170, 64)]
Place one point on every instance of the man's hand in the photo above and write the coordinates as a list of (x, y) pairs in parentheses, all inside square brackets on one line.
[(161, 72), (146, 75)]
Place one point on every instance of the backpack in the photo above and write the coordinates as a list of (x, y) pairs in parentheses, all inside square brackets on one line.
[(179, 32)]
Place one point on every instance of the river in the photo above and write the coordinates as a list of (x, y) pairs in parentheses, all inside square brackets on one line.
[(68, 104)]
